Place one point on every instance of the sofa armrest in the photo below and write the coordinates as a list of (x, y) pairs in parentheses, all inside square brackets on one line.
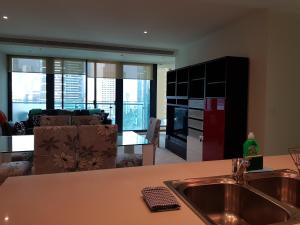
[(7, 128)]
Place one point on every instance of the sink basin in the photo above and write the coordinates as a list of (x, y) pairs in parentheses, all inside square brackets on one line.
[(222, 201), (282, 185)]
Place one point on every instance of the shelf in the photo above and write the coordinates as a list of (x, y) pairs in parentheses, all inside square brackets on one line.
[(202, 109), (171, 89), (182, 97), (172, 82), (183, 82), (171, 97), (215, 89), (215, 97), (182, 89), (182, 75), (196, 79), (171, 101), (190, 117), (197, 124), (196, 104), (182, 102), (171, 76), (183, 106), (197, 88), (177, 97), (194, 98), (195, 129), (197, 72), (216, 70), (216, 82)]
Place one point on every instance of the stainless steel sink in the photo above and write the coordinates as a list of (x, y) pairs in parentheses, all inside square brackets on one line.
[(283, 185), (219, 200)]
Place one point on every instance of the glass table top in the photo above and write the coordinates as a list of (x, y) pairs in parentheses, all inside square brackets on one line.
[(23, 143)]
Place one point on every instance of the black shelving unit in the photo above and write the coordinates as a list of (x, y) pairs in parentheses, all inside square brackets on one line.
[(190, 87), (177, 104)]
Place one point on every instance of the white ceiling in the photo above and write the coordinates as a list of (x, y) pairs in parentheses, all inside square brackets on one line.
[(170, 23), (13, 49)]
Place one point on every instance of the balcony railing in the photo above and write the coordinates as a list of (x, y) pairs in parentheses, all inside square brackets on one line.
[(135, 115)]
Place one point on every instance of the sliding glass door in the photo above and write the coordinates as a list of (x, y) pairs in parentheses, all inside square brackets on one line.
[(136, 104), (120, 89), (106, 96), (28, 79), (69, 84), (136, 96)]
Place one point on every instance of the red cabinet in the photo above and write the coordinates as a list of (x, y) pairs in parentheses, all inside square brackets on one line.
[(214, 128), (225, 112)]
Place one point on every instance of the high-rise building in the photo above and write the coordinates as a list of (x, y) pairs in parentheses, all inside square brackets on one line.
[(106, 95), (72, 91)]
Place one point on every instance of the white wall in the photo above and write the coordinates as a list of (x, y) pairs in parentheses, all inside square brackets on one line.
[(272, 42), (246, 37), (161, 107), (3, 83), (283, 83)]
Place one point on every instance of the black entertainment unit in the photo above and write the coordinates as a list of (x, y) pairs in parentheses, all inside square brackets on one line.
[(208, 100)]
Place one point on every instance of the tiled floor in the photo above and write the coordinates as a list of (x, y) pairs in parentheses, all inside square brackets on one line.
[(163, 156)]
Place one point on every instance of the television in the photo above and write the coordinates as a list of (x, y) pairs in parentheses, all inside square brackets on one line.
[(180, 122)]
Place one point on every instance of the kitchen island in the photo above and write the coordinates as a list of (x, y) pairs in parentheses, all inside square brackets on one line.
[(108, 197)]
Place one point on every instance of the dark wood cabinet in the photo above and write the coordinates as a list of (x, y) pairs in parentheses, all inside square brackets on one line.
[(218, 90)]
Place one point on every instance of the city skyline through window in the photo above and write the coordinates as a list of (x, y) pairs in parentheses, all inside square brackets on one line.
[(136, 104), (28, 86), (69, 84)]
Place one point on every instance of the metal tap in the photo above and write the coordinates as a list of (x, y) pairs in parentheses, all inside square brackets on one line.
[(239, 167)]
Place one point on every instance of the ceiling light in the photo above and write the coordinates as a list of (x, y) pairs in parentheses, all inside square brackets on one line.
[(5, 17), (145, 32)]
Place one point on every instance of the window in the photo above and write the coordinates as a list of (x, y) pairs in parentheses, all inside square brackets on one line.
[(106, 87), (136, 104), (136, 96), (91, 85), (102, 86), (28, 86), (106, 96), (71, 84)]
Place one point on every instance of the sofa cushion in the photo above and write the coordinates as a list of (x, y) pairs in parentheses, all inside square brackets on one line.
[(81, 112), (94, 111), (86, 120), (64, 120), (19, 128), (34, 120), (33, 112)]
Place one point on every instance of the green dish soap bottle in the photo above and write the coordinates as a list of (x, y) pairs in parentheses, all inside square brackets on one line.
[(250, 147)]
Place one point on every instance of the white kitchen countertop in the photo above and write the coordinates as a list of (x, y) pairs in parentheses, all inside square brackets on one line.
[(108, 197)]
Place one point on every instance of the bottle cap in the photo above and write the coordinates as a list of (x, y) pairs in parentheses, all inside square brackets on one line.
[(251, 135)]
